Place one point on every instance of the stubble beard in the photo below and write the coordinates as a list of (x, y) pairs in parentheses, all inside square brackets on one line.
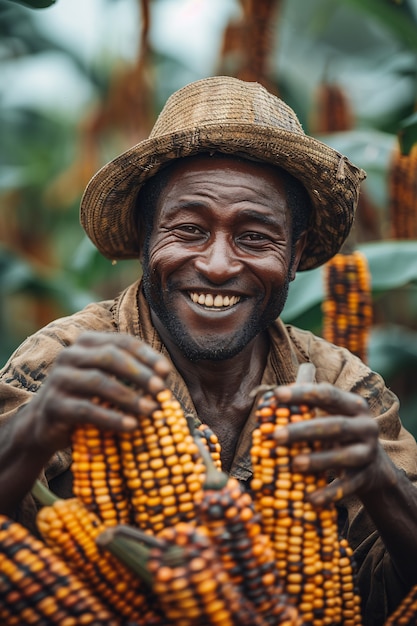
[(214, 348)]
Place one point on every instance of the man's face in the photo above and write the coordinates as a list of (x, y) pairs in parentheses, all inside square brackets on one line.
[(217, 266)]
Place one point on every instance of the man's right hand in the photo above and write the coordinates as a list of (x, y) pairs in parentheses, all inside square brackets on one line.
[(103, 379)]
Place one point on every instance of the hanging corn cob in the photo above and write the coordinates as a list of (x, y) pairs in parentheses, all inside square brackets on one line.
[(70, 530), (402, 194), (37, 587), (314, 565), (333, 113), (333, 110), (347, 305)]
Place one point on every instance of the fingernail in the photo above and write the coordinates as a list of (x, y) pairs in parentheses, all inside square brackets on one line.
[(283, 393), (301, 462), (281, 434), (316, 499), (129, 423)]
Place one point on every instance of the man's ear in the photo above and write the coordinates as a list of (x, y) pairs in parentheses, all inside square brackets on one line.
[(299, 249)]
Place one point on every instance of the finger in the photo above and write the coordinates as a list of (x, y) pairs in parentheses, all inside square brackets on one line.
[(138, 348), (353, 456), (324, 396), (328, 429), (114, 361), (338, 489), (75, 411), (98, 387)]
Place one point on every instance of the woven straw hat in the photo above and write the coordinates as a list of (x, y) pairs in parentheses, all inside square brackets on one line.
[(227, 115)]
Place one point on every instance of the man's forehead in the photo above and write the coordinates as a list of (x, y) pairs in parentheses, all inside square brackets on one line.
[(205, 162)]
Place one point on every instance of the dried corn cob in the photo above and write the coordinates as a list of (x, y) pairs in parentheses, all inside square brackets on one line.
[(70, 529), (186, 574), (334, 112), (347, 307), (212, 442), (402, 194), (351, 605), (307, 549), (257, 39), (162, 467), (97, 478), (148, 477), (37, 587), (227, 513), (406, 613)]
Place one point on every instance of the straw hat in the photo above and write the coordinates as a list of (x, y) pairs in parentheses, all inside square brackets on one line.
[(227, 115)]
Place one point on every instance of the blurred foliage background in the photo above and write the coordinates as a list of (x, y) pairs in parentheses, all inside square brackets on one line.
[(82, 81)]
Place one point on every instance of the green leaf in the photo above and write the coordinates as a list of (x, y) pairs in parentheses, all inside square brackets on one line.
[(392, 264), (407, 134), (305, 292), (35, 4), (397, 18), (392, 349)]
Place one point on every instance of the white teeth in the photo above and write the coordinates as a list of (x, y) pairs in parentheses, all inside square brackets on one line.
[(214, 301)]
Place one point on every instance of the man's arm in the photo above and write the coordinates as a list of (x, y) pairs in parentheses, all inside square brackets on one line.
[(123, 372), (351, 449)]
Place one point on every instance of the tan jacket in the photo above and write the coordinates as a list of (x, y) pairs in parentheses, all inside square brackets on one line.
[(27, 368)]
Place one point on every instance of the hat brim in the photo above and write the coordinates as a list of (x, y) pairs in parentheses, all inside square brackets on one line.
[(331, 180)]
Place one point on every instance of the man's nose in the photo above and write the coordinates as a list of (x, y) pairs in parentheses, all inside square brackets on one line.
[(218, 262)]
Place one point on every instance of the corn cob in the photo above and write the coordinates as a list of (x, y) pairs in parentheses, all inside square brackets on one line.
[(70, 530), (227, 513), (402, 194), (37, 587), (334, 112), (406, 613), (313, 564), (186, 574), (162, 467), (257, 39), (212, 443), (147, 478), (97, 478), (347, 308)]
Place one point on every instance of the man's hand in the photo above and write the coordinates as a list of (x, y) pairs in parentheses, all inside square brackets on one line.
[(103, 379), (348, 438)]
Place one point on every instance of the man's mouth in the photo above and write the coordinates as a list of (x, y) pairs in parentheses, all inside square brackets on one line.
[(215, 301)]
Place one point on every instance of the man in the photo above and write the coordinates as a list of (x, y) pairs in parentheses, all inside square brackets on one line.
[(223, 203)]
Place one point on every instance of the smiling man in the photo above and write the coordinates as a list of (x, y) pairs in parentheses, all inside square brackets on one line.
[(218, 264), (224, 202)]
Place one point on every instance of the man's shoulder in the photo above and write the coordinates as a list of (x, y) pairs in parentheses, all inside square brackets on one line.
[(32, 359), (334, 364)]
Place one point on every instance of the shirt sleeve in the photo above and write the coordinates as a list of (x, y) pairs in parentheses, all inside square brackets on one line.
[(27, 369)]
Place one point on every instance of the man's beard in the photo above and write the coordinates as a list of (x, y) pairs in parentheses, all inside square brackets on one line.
[(214, 348)]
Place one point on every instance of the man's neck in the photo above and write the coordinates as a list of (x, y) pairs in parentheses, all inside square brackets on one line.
[(221, 381), (220, 391)]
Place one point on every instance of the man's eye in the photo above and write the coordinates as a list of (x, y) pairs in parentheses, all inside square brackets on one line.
[(189, 229), (254, 237)]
